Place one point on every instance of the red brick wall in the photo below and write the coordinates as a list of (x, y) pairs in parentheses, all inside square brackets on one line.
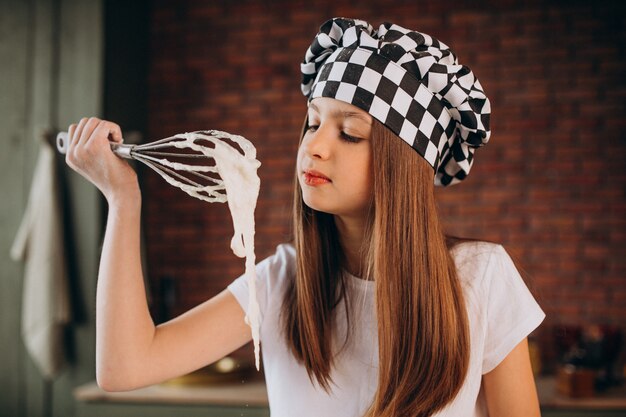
[(550, 186)]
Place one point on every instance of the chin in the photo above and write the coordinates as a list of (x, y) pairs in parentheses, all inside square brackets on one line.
[(317, 207), (316, 204)]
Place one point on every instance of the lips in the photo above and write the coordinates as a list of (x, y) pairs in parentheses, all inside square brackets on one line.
[(312, 177)]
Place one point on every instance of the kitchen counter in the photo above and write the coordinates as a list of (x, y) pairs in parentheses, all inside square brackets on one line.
[(250, 399), (247, 394), (549, 398), (232, 399)]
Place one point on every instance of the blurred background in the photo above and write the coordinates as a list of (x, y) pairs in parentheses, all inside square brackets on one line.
[(550, 186)]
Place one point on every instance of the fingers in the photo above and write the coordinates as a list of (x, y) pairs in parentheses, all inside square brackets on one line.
[(89, 153), (115, 132), (90, 135), (70, 134), (88, 128), (74, 132), (102, 133)]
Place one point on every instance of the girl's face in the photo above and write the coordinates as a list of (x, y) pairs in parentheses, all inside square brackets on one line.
[(334, 158)]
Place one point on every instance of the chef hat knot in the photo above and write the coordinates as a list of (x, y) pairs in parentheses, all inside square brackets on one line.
[(410, 82)]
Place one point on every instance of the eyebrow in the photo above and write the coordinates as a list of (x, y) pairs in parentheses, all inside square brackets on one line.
[(345, 114)]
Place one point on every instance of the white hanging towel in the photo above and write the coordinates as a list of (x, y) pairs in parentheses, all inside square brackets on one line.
[(40, 244)]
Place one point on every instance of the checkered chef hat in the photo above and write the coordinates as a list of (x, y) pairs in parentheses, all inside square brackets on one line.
[(410, 82)]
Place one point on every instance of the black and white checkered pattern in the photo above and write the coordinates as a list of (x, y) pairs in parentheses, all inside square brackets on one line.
[(410, 82)]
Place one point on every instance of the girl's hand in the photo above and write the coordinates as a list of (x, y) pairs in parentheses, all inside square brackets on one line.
[(89, 153)]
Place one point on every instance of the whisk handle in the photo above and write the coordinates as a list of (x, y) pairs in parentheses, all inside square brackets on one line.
[(119, 149)]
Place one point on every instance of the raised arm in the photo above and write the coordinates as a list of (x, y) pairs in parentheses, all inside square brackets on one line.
[(130, 351)]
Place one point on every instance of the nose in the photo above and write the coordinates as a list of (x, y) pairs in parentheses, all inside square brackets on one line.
[(318, 144)]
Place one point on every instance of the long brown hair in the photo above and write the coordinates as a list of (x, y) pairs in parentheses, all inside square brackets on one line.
[(423, 334)]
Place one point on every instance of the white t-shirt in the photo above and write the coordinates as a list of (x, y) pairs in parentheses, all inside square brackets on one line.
[(501, 311)]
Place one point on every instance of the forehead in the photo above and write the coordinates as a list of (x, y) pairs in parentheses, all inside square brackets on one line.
[(339, 109)]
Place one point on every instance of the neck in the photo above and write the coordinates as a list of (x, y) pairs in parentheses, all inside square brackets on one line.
[(351, 235)]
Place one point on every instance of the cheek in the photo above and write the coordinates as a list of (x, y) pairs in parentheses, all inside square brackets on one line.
[(359, 177), (362, 169), (302, 148), (299, 160)]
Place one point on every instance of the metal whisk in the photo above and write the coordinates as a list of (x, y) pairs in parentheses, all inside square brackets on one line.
[(187, 160)]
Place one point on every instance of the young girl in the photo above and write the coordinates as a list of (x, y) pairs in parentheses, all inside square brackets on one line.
[(371, 311)]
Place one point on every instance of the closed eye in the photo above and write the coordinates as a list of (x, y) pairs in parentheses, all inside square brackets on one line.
[(350, 138), (344, 136)]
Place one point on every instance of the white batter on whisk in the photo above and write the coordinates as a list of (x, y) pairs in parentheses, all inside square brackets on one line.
[(239, 179)]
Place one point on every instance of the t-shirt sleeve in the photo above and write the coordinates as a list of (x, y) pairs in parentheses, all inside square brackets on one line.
[(270, 276), (239, 288), (512, 312)]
